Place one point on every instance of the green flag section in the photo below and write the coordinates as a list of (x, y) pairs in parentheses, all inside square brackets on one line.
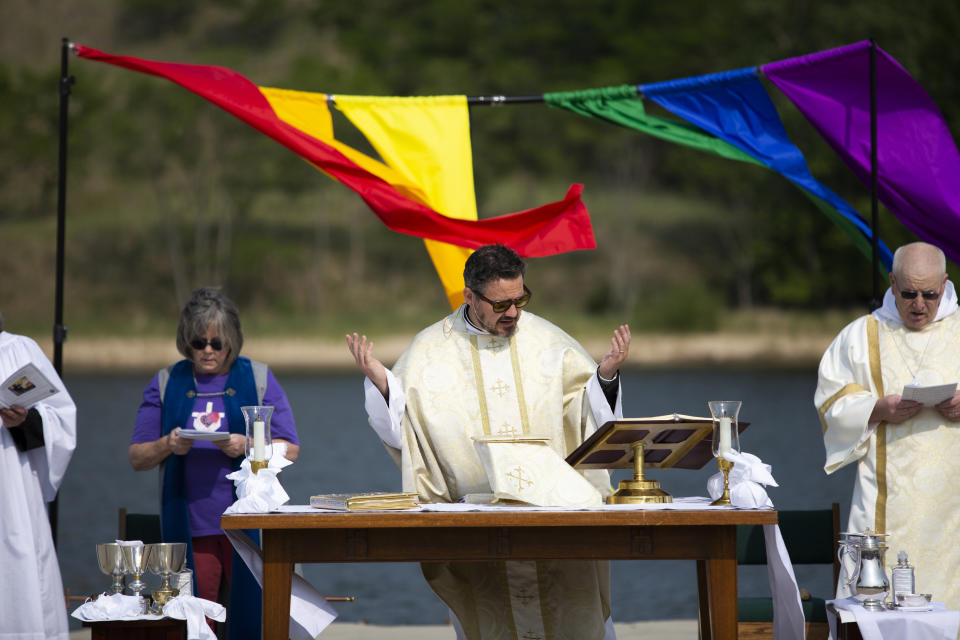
[(623, 106)]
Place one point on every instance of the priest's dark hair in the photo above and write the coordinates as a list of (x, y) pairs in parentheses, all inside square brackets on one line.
[(206, 306), (492, 262)]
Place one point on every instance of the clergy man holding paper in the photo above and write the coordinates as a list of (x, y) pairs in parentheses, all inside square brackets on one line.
[(37, 440), (907, 451), (492, 369)]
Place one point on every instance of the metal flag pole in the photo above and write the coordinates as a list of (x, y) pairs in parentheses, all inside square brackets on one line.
[(874, 240), (59, 330)]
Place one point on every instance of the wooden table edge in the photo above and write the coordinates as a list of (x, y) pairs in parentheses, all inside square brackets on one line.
[(403, 519)]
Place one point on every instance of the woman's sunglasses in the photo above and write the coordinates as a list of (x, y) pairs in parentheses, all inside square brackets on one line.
[(199, 345)]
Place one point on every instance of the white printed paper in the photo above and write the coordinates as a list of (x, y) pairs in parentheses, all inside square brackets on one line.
[(26, 387), (194, 434), (929, 396)]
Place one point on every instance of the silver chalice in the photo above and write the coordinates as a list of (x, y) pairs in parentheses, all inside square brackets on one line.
[(166, 559), (135, 559), (110, 559)]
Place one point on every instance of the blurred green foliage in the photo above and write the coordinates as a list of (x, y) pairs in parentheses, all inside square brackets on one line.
[(166, 192)]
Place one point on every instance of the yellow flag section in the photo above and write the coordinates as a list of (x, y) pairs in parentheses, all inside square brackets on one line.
[(309, 113), (427, 141)]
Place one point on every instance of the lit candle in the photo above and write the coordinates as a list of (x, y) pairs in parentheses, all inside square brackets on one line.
[(724, 446), (258, 441)]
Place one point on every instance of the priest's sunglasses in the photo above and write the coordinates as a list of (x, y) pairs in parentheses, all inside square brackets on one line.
[(199, 345), (499, 306), (908, 294)]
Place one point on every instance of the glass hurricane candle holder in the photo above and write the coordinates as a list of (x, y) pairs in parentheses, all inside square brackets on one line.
[(726, 438), (259, 441)]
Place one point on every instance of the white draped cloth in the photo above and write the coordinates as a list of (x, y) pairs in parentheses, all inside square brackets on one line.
[(31, 591), (456, 383), (908, 474)]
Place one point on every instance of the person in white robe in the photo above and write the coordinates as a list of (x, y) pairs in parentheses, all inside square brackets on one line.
[(489, 369), (907, 454), (36, 444)]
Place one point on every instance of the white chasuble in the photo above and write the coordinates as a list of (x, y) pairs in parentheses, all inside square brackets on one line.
[(459, 387), (908, 474), (31, 591)]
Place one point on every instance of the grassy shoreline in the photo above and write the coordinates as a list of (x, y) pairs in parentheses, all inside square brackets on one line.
[(758, 338), (295, 354)]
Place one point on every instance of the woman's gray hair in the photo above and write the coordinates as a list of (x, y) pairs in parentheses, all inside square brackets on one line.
[(208, 306)]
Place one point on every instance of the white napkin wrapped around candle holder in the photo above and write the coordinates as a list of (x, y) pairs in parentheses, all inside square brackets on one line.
[(746, 478), (260, 492)]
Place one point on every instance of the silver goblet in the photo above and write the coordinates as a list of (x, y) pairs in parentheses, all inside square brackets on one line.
[(135, 559), (110, 559), (166, 559)]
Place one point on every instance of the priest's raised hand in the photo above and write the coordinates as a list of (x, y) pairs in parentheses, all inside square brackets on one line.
[(362, 351)]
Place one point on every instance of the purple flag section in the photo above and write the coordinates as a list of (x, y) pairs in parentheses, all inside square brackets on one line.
[(918, 162)]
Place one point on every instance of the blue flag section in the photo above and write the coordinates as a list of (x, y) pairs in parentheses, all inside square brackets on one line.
[(735, 107)]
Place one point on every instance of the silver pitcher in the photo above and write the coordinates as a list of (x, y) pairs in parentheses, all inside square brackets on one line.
[(868, 579)]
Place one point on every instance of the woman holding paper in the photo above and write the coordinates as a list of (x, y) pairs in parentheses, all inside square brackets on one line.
[(190, 423), (36, 444)]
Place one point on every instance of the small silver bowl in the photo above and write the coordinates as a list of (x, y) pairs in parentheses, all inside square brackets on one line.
[(913, 599)]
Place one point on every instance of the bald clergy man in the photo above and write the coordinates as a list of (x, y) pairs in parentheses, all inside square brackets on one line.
[(907, 454), (486, 369)]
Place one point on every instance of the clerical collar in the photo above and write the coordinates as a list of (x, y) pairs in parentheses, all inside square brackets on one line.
[(472, 329)]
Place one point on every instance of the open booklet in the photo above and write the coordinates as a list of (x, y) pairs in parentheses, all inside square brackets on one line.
[(26, 387)]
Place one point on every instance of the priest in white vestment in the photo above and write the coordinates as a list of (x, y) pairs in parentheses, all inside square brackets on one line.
[(36, 444), (487, 369), (907, 454)]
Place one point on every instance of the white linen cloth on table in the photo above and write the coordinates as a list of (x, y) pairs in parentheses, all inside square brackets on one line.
[(262, 493), (747, 478), (118, 606), (889, 624)]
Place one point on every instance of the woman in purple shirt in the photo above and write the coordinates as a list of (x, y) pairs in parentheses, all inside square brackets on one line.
[(204, 392)]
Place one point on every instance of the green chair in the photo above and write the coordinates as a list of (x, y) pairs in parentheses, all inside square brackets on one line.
[(138, 526), (810, 538)]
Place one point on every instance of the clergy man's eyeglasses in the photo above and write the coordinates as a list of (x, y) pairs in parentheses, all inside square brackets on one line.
[(216, 344), (907, 294), (500, 306)]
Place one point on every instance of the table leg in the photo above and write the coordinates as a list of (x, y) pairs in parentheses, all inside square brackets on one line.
[(277, 583), (703, 608), (722, 585)]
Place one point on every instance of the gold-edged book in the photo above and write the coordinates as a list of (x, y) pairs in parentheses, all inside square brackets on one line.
[(375, 501)]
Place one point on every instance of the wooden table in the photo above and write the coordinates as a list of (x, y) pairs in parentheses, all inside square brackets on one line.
[(709, 537), (164, 629)]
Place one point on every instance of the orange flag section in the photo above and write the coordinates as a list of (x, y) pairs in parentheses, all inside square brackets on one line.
[(546, 230)]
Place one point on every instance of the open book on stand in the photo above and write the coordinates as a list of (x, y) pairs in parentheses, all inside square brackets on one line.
[(376, 501), (26, 387), (674, 440)]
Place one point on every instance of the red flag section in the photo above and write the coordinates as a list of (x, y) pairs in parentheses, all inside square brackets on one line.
[(547, 230)]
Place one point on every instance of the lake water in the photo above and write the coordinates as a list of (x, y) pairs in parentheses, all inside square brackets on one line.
[(339, 452)]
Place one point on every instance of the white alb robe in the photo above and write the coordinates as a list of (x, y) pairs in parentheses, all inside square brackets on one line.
[(453, 384), (908, 474), (31, 591)]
